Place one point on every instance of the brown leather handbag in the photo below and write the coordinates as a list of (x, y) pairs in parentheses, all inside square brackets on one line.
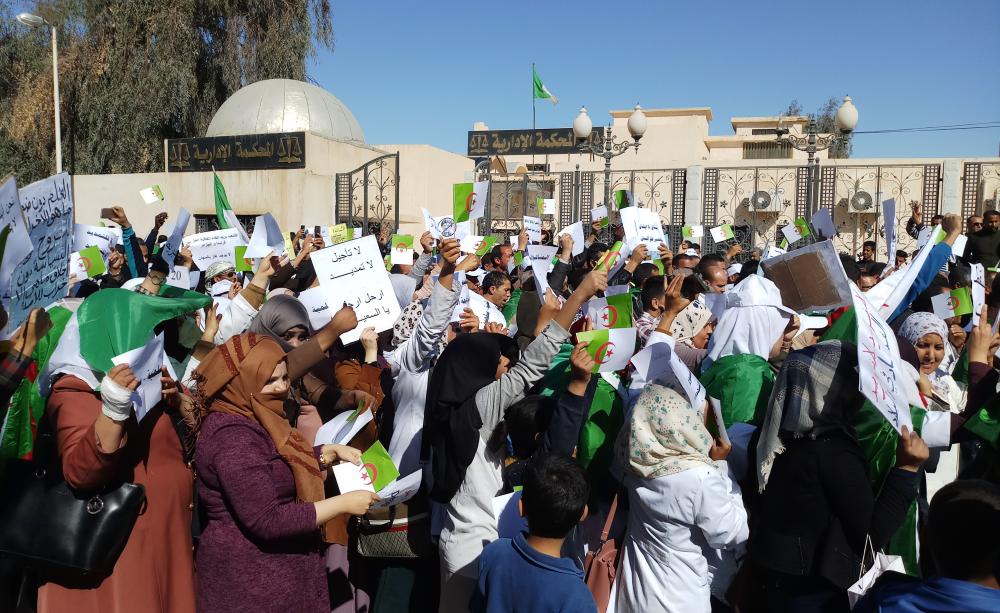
[(601, 564)]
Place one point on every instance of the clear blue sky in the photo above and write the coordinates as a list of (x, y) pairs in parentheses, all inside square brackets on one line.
[(423, 72)]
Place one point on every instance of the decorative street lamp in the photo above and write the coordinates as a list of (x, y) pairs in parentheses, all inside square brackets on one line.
[(35, 21), (844, 123), (610, 148)]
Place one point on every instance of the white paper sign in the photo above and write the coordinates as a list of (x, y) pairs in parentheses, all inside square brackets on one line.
[(575, 230), (889, 223), (173, 244), (659, 363), (399, 491), (958, 249), (483, 308), (215, 246), (340, 430), (179, 277), (642, 227), (598, 213), (978, 291), (104, 239), (40, 279), (145, 363), (509, 520), (880, 372), (533, 226), (822, 223), (18, 244), (315, 302), (267, 237), (354, 273)]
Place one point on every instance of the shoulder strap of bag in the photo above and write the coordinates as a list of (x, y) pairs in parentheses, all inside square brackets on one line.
[(606, 530)]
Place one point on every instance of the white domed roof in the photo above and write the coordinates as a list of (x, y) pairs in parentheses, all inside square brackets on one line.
[(285, 105)]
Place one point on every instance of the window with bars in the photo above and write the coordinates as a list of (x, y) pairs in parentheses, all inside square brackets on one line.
[(207, 223), (767, 151)]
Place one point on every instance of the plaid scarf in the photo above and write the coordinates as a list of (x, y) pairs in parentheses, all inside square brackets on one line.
[(816, 392)]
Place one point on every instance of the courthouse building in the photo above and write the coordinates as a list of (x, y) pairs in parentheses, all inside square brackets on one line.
[(294, 150)]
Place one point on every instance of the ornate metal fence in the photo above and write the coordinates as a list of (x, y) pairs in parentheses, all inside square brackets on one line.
[(368, 196), (980, 187)]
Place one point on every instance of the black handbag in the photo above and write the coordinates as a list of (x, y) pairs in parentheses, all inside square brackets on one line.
[(55, 531)]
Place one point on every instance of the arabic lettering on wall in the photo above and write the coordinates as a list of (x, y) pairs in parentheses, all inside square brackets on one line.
[(247, 152), (527, 142)]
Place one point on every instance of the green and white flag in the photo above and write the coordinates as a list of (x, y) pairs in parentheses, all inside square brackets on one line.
[(623, 199), (692, 232), (954, 304), (540, 91), (612, 311), (722, 233), (610, 348), (151, 195), (225, 216), (378, 463)]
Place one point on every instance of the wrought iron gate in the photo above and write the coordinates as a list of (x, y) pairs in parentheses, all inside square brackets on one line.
[(368, 196)]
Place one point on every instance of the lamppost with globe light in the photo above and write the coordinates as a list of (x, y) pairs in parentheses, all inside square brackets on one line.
[(609, 148), (812, 141), (35, 21)]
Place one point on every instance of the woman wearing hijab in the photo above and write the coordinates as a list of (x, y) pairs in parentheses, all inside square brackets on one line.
[(928, 334), (681, 507), (753, 329), (474, 381), (817, 511), (261, 486), (691, 330), (102, 443)]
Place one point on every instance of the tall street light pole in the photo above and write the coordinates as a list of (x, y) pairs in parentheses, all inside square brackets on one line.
[(35, 21), (609, 148), (844, 123)]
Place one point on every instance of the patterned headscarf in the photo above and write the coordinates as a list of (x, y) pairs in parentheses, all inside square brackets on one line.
[(407, 322), (689, 322), (815, 392), (664, 435), (919, 325), (229, 380)]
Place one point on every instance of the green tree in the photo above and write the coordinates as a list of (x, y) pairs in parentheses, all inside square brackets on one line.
[(825, 118), (134, 72)]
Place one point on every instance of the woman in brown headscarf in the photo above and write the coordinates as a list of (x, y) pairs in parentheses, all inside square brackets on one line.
[(262, 487)]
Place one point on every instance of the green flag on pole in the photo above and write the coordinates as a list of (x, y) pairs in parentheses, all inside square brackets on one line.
[(542, 92), (221, 203)]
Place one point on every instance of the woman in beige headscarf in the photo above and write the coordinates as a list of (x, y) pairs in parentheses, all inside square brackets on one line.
[(681, 507), (261, 485)]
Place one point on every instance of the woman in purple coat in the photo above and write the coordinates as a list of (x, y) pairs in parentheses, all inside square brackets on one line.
[(261, 486)]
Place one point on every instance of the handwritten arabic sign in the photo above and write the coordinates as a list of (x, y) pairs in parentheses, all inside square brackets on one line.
[(210, 247), (247, 152), (527, 142), (41, 278), (879, 367), (353, 273)]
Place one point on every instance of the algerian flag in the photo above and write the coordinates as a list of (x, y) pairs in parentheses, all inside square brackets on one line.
[(486, 245), (623, 199), (151, 195), (611, 258), (27, 405), (87, 263), (540, 91), (956, 303), (463, 199), (796, 231), (243, 263), (600, 213), (378, 463), (722, 233), (402, 249), (111, 322), (611, 349), (690, 232), (224, 214), (614, 311)]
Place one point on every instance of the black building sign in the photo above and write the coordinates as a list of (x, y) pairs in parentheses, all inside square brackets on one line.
[(249, 152), (527, 142)]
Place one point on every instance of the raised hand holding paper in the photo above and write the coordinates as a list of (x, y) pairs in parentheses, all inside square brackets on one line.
[(575, 230), (145, 363), (533, 226)]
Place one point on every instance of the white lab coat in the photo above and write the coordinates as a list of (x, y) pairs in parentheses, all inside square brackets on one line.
[(675, 524)]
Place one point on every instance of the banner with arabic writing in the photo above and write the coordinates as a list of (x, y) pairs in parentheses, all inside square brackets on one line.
[(527, 142)]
